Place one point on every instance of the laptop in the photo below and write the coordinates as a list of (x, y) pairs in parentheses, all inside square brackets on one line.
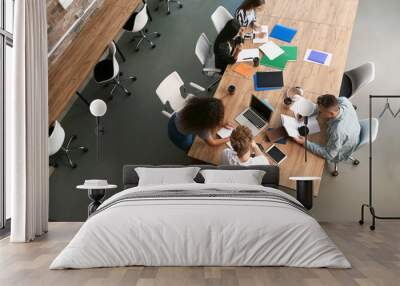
[(256, 116)]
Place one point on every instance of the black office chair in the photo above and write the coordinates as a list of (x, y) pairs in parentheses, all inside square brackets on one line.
[(179, 3), (107, 72), (137, 24)]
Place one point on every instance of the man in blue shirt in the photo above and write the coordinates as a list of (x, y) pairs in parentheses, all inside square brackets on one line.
[(343, 129)]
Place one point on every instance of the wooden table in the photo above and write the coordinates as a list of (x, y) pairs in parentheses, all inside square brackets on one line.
[(323, 25), (74, 66)]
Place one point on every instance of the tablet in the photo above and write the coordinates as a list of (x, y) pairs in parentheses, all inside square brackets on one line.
[(275, 154)]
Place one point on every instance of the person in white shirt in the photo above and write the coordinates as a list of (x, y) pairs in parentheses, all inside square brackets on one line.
[(246, 14), (244, 147)]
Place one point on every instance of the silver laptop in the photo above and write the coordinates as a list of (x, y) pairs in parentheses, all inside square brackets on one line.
[(257, 116)]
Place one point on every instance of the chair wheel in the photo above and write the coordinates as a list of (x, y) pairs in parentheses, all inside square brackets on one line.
[(128, 93), (73, 137), (73, 166), (372, 227), (146, 30), (180, 6), (133, 78), (85, 150), (137, 49), (153, 46), (121, 73), (361, 222), (158, 35), (335, 173), (356, 162), (168, 13)]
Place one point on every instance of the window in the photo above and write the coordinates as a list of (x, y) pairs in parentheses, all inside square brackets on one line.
[(6, 66)]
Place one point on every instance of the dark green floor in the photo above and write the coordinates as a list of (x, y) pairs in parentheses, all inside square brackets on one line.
[(136, 131)]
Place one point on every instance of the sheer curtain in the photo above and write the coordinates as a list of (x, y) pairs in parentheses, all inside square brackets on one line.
[(26, 124)]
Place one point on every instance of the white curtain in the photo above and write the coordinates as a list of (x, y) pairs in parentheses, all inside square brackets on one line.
[(26, 124)]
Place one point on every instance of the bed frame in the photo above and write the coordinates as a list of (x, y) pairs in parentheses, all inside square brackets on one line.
[(130, 178)]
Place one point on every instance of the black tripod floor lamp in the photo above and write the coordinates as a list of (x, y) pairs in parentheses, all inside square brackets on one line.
[(98, 108)]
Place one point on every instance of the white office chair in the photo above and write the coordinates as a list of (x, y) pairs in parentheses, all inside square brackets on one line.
[(169, 92), (355, 79), (137, 23), (107, 71), (220, 17), (205, 53), (179, 3), (364, 139), (56, 141)]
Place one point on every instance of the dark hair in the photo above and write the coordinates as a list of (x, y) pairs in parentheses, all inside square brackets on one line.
[(251, 4), (241, 139), (327, 101), (202, 113), (230, 30)]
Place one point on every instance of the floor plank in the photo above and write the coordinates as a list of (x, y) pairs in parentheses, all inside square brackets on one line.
[(375, 257)]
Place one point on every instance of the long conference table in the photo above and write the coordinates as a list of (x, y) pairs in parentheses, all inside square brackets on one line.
[(74, 66), (322, 25)]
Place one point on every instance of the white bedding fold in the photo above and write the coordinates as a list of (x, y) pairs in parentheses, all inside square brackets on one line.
[(200, 231)]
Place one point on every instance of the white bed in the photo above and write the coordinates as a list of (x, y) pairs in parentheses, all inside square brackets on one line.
[(185, 230)]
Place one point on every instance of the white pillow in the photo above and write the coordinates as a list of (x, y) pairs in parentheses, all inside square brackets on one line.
[(247, 177), (166, 176)]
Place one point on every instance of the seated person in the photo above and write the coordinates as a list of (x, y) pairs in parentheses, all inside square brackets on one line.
[(243, 147), (227, 45), (246, 14), (343, 129), (201, 116)]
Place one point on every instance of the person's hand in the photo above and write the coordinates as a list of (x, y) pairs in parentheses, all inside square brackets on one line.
[(261, 35), (229, 125), (254, 145), (299, 140)]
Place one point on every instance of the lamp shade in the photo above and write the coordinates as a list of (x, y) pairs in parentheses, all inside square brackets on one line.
[(305, 108), (98, 108)]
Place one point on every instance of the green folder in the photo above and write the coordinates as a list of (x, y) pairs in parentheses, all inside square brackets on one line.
[(278, 63), (291, 52)]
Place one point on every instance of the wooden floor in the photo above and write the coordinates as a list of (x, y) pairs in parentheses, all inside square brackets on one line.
[(375, 257)]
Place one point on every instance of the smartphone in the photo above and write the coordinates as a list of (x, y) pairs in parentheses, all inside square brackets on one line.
[(260, 146)]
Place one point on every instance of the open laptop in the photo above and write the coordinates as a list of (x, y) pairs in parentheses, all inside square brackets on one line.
[(256, 116)]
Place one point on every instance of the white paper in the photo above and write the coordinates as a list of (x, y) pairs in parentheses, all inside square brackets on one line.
[(225, 132), (327, 61), (263, 29), (313, 125), (248, 55), (291, 125), (271, 50)]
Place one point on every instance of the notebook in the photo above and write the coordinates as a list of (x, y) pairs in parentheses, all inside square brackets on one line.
[(283, 33), (244, 69), (258, 88), (318, 57), (291, 52), (271, 50), (257, 40), (268, 80), (248, 55), (279, 63)]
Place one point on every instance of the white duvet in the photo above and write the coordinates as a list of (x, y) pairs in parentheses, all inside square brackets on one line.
[(200, 231)]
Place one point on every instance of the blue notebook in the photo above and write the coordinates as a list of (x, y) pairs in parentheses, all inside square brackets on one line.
[(283, 33), (257, 88), (318, 57)]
